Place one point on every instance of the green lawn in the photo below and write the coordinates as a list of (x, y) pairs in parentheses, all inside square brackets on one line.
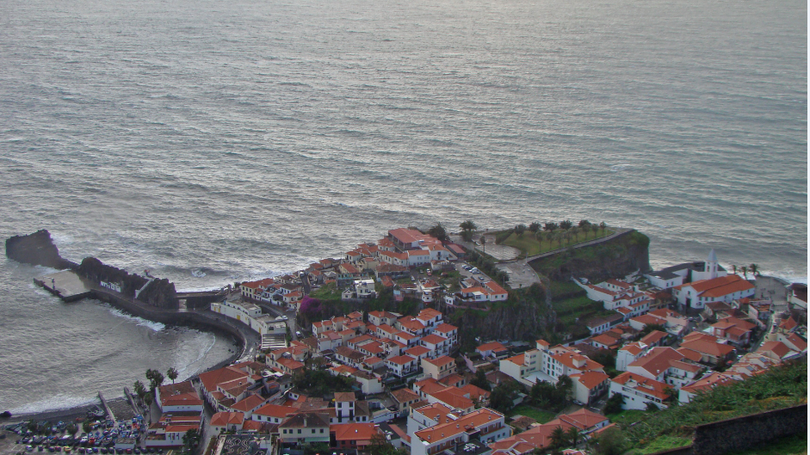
[(328, 292), (537, 414), (530, 245)]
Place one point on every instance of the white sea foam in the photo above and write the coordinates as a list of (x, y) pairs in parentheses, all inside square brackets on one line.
[(155, 326), (198, 273), (54, 403), (190, 369), (620, 167)]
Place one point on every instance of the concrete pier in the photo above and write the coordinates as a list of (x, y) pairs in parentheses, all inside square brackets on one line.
[(66, 285)]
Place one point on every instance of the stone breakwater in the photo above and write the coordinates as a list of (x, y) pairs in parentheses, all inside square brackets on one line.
[(148, 298)]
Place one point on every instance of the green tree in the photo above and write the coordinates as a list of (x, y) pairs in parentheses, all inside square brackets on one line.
[(534, 227), (484, 243), (595, 228), (734, 268), (744, 270), (155, 378), (480, 380), (652, 407), (754, 269), (438, 232), (557, 437), (566, 225), (172, 374), (563, 388), (467, 229), (609, 442), (380, 446), (139, 389), (584, 224), (603, 227), (573, 436), (503, 396), (520, 229), (550, 226), (614, 404), (190, 440), (86, 426)]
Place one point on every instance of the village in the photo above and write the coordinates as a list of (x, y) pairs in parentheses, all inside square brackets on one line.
[(384, 382)]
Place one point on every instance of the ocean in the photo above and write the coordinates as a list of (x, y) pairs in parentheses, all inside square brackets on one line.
[(214, 142)]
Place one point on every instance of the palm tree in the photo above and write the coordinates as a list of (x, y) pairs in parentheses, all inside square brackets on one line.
[(595, 229), (139, 388), (754, 269), (575, 231), (566, 225), (172, 374), (573, 436), (484, 243), (557, 437), (744, 270), (734, 268), (550, 226), (602, 226)]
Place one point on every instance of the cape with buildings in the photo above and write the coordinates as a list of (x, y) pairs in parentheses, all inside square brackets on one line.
[(404, 379)]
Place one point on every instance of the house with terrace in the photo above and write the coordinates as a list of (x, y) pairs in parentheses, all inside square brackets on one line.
[(484, 425), (639, 392)]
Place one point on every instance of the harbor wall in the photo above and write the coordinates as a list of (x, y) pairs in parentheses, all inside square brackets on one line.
[(191, 319)]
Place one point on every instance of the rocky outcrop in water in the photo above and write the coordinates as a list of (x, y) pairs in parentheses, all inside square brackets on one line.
[(159, 293), (36, 249)]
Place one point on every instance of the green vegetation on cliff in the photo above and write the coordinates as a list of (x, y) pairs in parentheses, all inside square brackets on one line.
[(780, 387), (523, 316)]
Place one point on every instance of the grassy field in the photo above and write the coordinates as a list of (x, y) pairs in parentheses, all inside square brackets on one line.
[(574, 312), (659, 444), (537, 414), (529, 244)]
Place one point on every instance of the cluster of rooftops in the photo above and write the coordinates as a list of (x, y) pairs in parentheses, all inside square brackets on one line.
[(381, 350)]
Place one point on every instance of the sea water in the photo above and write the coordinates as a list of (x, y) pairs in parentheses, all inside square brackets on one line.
[(213, 142)]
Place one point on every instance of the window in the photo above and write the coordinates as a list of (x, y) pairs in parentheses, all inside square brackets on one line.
[(299, 431)]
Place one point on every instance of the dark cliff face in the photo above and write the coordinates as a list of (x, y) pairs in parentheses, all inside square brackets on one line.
[(160, 293), (618, 257), (525, 316), (36, 249)]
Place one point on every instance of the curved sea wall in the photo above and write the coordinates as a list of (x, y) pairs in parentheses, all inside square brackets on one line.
[(156, 299), (194, 319)]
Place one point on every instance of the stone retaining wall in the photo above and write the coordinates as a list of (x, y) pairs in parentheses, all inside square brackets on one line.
[(738, 434)]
